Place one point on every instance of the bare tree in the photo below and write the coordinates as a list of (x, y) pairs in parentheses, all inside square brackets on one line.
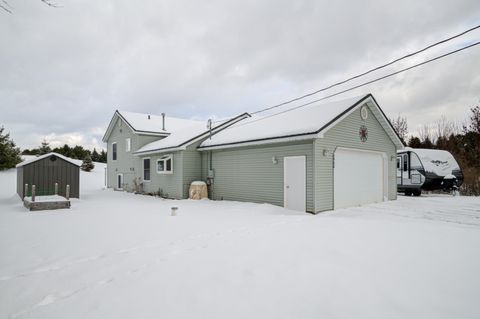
[(5, 6), (425, 133), (443, 128), (400, 125)]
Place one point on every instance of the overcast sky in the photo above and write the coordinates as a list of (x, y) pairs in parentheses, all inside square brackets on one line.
[(65, 71)]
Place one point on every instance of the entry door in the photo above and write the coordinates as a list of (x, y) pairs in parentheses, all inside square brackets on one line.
[(294, 183), (119, 181)]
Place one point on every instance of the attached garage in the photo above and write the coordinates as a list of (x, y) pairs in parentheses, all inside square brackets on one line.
[(314, 158)]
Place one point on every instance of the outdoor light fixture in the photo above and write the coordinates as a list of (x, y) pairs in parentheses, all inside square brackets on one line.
[(274, 160), (325, 152)]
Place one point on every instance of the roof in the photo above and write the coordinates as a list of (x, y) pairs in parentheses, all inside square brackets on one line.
[(304, 122), (147, 124), (183, 136), (68, 159)]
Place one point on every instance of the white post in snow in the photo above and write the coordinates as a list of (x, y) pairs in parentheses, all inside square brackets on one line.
[(174, 211), (33, 193), (26, 191), (67, 193), (105, 176), (56, 188)]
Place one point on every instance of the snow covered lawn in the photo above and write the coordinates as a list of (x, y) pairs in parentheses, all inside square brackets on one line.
[(119, 255)]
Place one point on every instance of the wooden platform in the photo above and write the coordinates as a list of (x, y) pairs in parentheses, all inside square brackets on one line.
[(46, 202)]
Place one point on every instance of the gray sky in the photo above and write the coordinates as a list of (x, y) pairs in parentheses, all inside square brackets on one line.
[(65, 71)]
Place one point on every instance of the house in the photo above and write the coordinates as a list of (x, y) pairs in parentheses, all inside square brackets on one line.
[(315, 158), (46, 170)]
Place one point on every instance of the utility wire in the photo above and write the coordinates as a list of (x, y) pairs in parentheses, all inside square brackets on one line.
[(366, 83), (367, 72)]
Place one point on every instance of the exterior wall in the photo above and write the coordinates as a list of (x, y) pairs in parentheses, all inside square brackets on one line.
[(346, 134), (45, 173), (126, 163), (248, 174), (171, 185), (20, 184), (192, 167)]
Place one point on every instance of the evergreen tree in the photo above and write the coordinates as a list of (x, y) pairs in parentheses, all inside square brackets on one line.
[(9, 154), (103, 156), (95, 156), (44, 148), (87, 164), (414, 142)]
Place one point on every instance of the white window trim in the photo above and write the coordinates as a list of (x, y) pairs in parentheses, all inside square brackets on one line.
[(164, 158), (128, 144), (143, 169), (114, 143)]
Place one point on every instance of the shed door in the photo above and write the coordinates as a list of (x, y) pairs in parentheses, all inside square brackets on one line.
[(295, 183), (358, 177), (120, 181)]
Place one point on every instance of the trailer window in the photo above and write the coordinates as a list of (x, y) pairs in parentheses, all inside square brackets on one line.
[(398, 162), (405, 162)]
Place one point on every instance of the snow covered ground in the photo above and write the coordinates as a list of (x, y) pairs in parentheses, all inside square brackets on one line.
[(119, 255)]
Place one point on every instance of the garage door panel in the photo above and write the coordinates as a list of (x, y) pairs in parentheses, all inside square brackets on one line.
[(358, 178)]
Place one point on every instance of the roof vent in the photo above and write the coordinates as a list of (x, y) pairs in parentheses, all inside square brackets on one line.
[(148, 116), (163, 121)]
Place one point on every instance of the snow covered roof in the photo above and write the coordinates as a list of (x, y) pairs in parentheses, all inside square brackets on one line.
[(68, 159), (298, 123), (183, 135), (439, 162), (148, 124)]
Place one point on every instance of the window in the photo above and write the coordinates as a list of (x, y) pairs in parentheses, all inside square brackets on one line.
[(127, 145), (165, 165), (114, 151), (405, 162), (146, 169)]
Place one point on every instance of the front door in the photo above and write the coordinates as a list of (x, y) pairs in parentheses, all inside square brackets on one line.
[(294, 183)]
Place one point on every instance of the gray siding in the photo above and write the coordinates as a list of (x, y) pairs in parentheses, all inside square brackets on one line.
[(45, 173), (248, 174), (20, 184), (192, 167), (171, 185), (126, 163), (346, 134)]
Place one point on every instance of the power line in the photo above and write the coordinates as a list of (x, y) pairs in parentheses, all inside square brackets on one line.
[(366, 83), (367, 72)]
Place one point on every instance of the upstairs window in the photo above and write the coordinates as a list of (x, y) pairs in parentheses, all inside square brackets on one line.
[(114, 151), (146, 169), (128, 145), (165, 164)]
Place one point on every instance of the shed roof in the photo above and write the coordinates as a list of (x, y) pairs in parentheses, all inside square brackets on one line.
[(293, 124), (68, 159)]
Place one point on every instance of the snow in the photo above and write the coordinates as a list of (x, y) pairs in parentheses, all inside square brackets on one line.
[(198, 183), (31, 159), (120, 255), (176, 138), (439, 162), (47, 198), (305, 120), (141, 122)]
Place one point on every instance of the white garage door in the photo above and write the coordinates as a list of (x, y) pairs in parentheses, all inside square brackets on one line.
[(358, 178)]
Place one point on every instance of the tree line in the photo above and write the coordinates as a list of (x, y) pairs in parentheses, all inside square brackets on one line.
[(76, 152), (462, 140), (10, 154)]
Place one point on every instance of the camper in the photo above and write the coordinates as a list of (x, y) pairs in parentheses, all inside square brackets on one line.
[(424, 169)]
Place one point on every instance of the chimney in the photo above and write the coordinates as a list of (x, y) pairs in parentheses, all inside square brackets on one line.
[(163, 121)]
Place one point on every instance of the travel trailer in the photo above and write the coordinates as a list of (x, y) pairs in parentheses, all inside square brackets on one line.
[(426, 169)]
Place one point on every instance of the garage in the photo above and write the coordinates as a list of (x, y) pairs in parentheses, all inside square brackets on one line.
[(359, 177)]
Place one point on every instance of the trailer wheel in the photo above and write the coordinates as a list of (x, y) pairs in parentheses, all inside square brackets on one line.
[(408, 192), (417, 192)]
